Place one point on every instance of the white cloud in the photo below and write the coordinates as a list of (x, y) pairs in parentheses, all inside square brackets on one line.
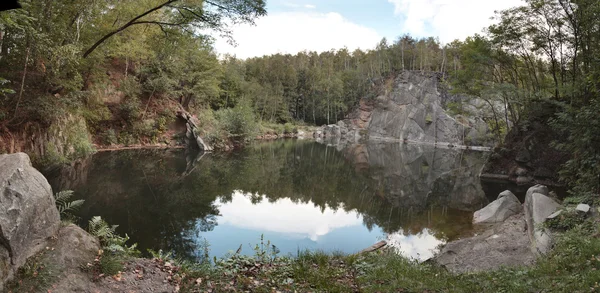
[(292, 32), (284, 216), (420, 247), (310, 6), (448, 19)]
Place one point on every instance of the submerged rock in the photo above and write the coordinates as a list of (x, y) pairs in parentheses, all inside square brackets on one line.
[(499, 210), (537, 208), (28, 215)]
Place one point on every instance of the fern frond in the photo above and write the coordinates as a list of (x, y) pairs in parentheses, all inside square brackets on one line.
[(70, 207), (63, 196)]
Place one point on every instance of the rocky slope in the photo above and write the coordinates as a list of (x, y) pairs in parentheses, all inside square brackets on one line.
[(414, 108)]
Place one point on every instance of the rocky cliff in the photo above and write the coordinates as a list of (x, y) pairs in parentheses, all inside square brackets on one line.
[(412, 108)]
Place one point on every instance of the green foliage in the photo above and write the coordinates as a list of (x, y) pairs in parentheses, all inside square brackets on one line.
[(36, 275), (130, 109), (66, 207), (109, 240), (289, 128), (5, 91), (454, 108), (52, 156), (428, 119), (567, 220), (110, 137), (111, 264), (581, 127), (78, 138), (126, 138), (240, 121)]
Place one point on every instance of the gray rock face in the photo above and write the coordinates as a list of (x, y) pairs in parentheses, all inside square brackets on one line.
[(542, 189), (537, 208), (74, 248), (503, 245), (499, 210), (28, 215), (413, 110)]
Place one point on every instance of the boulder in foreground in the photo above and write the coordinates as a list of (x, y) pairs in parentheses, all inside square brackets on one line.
[(538, 206), (28, 215), (499, 210)]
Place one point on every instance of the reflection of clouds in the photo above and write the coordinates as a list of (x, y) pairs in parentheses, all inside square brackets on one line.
[(284, 216), (420, 247)]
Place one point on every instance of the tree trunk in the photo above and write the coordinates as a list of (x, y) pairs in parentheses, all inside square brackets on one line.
[(27, 54)]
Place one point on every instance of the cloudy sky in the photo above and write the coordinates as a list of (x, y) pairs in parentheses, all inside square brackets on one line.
[(319, 25)]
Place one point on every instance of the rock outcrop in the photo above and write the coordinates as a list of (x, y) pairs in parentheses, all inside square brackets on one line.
[(192, 134), (28, 215), (499, 210), (527, 156), (538, 206), (503, 245), (515, 241), (413, 110)]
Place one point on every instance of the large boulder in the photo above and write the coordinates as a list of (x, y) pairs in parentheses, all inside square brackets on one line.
[(28, 215), (538, 207), (503, 245), (499, 210)]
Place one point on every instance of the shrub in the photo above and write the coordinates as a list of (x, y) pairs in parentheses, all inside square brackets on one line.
[(131, 87), (79, 138), (130, 109), (126, 138), (289, 128), (239, 121), (110, 137)]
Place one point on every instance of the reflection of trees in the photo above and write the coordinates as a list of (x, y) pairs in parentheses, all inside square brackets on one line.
[(145, 193)]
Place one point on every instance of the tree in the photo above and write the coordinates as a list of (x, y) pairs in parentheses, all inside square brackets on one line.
[(188, 16)]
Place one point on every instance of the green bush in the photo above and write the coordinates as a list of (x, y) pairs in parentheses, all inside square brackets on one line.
[(567, 220), (79, 138), (289, 128), (130, 109), (126, 138), (239, 121), (278, 128), (110, 137), (455, 108), (146, 129), (131, 87)]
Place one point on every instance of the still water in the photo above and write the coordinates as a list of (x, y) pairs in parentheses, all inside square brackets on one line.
[(297, 194)]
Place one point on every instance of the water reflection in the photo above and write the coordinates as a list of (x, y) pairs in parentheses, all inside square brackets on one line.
[(284, 216), (298, 194), (420, 246)]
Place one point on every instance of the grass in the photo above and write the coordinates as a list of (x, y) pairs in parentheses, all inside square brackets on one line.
[(36, 275)]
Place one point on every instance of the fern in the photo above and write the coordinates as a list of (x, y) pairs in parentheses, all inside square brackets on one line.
[(65, 207), (108, 237)]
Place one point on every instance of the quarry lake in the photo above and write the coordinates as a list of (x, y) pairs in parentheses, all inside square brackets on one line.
[(297, 194)]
